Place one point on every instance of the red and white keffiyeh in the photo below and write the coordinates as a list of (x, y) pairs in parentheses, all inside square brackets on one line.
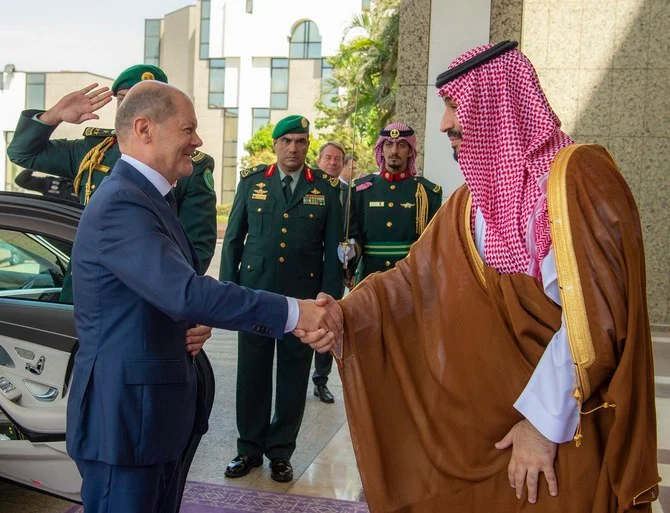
[(411, 140), (510, 136)]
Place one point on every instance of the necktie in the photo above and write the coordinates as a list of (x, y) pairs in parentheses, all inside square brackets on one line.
[(172, 201), (287, 187)]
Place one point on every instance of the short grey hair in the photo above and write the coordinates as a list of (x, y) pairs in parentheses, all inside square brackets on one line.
[(335, 144), (151, 100)]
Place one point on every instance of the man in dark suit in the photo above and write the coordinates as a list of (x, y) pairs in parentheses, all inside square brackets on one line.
[(331, 162), (132, 405), (282, 237)]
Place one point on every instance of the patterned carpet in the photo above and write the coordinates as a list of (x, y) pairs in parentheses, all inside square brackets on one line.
[(210, 498)]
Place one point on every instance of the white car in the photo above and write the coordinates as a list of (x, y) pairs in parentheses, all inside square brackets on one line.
[(38, 343)]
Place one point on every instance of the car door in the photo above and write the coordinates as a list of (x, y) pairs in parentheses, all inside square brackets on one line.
[(37, 342)]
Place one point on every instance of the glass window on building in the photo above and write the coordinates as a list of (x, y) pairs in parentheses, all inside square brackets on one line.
[(35, 87), (250, 6), (279, 86), (328, 90), (305, 41), (205, 7), (152, 42), (366, 4), (260, 118), (11, 169), (217, 83), (229, 164)]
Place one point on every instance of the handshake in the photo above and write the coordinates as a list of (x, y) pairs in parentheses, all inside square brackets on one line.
[(321, 322)]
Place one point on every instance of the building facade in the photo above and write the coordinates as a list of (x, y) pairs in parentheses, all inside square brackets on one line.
[(20, 90), (246, 63)]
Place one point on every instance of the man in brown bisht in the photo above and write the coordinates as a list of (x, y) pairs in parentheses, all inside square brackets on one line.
[(513, 340)]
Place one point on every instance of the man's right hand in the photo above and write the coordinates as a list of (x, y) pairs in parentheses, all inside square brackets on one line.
[(322, 317), (78, 107)]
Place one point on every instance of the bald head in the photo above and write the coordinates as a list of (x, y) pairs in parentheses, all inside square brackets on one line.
[(151, 99), (156, 124)]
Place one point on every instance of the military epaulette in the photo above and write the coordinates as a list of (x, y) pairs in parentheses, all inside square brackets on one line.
[(99, 132), (437, 189), (334, 181), (364, 179), (252, 170), (198, 156)]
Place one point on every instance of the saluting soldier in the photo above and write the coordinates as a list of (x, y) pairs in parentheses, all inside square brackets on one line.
[(390, 208), (89, 160), (282, 236)]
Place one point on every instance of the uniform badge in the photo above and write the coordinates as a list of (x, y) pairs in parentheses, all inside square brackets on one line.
[(314, 197), (208, 178), (363, 186), (376, 204), (303, 122), (395, 133), (260, 193), (407, 205), (147, 75)]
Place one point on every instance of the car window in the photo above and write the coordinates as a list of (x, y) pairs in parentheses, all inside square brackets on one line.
[(32, 266)]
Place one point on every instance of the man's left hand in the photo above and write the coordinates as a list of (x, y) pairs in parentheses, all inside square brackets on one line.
[(532, 453), (196, 338)]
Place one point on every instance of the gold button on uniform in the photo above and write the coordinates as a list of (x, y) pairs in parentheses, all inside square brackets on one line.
[(249, 266), (389, 224), (259, 209), (391, 204), (392, 187), (285, 215), (92, 186), (282, 260), (282, 245), (284, 230), (387, 263), (311, 216), (311, 275)]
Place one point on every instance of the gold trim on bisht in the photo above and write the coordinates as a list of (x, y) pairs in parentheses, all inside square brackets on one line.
[(92, 161), (572, 298), (472, 247), (421, 208)]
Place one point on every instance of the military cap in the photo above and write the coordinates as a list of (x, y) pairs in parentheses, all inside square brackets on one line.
[(291, 125), (135, 74)]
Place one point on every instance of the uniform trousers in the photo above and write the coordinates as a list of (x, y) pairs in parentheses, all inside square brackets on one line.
[(258, 433)]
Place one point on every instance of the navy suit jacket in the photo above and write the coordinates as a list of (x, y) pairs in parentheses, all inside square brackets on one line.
[(132, 399)]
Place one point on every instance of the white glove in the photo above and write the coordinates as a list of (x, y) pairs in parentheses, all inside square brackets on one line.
[(350, 251)]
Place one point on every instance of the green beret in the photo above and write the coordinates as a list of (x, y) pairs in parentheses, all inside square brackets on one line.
[(135, 74), (291, 125)]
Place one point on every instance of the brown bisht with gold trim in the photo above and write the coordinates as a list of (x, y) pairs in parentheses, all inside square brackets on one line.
[(438, 349)]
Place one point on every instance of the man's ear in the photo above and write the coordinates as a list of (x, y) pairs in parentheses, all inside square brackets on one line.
[(143, 129)]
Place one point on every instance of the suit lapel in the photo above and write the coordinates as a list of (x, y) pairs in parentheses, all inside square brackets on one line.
[(170, 220)]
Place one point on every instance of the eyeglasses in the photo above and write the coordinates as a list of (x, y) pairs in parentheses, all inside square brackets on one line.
[(300, 143)]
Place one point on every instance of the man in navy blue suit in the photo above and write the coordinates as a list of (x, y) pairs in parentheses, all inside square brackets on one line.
[(132, 403)]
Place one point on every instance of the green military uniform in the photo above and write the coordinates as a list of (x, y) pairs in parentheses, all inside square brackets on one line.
[(98, 151), (290, 249), (389, 213)]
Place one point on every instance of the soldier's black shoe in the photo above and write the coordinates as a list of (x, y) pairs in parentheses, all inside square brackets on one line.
[(282, 471), (322, 392), (242, 465)]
